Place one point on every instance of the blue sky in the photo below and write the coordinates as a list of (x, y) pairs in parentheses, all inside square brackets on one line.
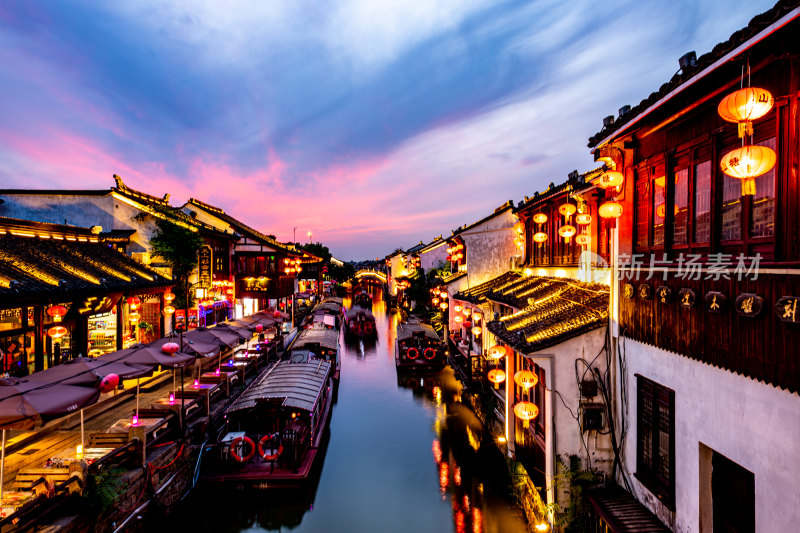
[(374, 124)]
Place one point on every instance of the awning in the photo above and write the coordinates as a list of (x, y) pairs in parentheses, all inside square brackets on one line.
[(298, 385)]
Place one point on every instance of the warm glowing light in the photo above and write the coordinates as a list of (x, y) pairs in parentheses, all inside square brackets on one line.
[(744, 106), (526, 411), (539, 237), (79, 450), (583, 219), (443, 306), (459, 319), (519, 227), (583, 239), (542, 527), (540, 218), (457, 308), (609, 179), (496, 352), (57, 312), (496, 376), (567, 210), (610, 210), (476, 317), (443, 294), (477, 330), (168, 297), (527, 272), (56, 332), (435, 301), (467, 312), (437, 451), (661, 210), (526, 379), (134, 317), (168, 310), (501, 439), (746, 163), (567, 232)]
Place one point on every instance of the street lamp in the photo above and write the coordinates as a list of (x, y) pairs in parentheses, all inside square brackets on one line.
[(309, 237)]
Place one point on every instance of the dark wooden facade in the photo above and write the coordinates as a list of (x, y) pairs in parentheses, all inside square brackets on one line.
[(678, 144), (556, 251)]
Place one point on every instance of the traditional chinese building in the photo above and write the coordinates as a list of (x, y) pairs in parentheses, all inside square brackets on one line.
[(265, 270), (704, 320), (65, 291)]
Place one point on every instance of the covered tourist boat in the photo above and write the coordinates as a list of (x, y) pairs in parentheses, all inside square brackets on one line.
[(362, 299), (418, 347), (328, 313), (360, 324), (274, 431), (315, 344)]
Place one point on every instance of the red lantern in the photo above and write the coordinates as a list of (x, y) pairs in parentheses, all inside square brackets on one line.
[(56, 332), (259, 328), (276, 314), (526, 411), (567, 210), (744, 106), (57, 312), (496, 376), (526, 379), (496, 352), (170, 348), (109, 383), (168, 297), (609, 179), (540, 218)]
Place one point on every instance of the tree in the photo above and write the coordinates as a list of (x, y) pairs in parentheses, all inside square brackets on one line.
[(178, 247), (318, 249)]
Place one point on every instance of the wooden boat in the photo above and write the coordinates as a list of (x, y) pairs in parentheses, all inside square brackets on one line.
[(359, 323), (362, 299), (316, 343), (418, 347), (274, 431), (329, 313)]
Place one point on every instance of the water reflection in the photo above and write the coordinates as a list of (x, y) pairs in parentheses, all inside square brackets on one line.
[(404, 454)]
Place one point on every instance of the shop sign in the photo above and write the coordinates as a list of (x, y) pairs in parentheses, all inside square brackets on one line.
[(204, 262), (786, 309), (664, 294), (645, 291), (628, 291), (716, 302), (686, 298), (749, 304)]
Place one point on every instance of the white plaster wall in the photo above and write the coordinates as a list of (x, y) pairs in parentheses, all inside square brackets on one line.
[(490, 247), (395, 270), (753, 424), (431, 258), (81, 210)]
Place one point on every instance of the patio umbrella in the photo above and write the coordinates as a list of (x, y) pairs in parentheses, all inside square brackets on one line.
[(242, 333), (140, 354), (201, 349), (88, 371), (23, 403), (204, 335)]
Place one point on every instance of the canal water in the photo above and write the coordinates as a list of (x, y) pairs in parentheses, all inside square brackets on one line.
[(404, 455)]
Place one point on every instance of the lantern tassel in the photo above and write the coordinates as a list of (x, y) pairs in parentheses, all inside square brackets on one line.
[(749, 187)]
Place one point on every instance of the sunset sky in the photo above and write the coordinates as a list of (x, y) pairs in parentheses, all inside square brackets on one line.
[(373, 124)]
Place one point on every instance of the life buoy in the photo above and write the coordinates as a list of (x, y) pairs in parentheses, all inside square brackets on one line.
[(412, 353), (357, 328), (243, 441), (268, 457), (369, 328), (429, 353)]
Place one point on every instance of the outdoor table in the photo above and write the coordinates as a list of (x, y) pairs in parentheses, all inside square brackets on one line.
[(189, 405), (151, 427), (223, 378)]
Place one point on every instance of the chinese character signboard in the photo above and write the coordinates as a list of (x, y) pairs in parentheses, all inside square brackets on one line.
[(645, 291), (749, 305), (664, 294), (204, 266), (716, 302), (786, 309), (686, 298)]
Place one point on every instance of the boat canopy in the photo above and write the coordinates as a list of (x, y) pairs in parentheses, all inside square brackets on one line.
[(299, 385), (405, 331), (327, 338)]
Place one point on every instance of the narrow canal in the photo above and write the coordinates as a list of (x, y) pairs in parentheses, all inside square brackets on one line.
[(403, 455)]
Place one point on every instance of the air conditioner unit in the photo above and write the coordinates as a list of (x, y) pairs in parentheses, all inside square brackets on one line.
[(593, 416)]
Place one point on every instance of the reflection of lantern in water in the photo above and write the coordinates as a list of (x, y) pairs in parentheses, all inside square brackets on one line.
[(444, 475), (437, 451), (526, 411), (496, 376)]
